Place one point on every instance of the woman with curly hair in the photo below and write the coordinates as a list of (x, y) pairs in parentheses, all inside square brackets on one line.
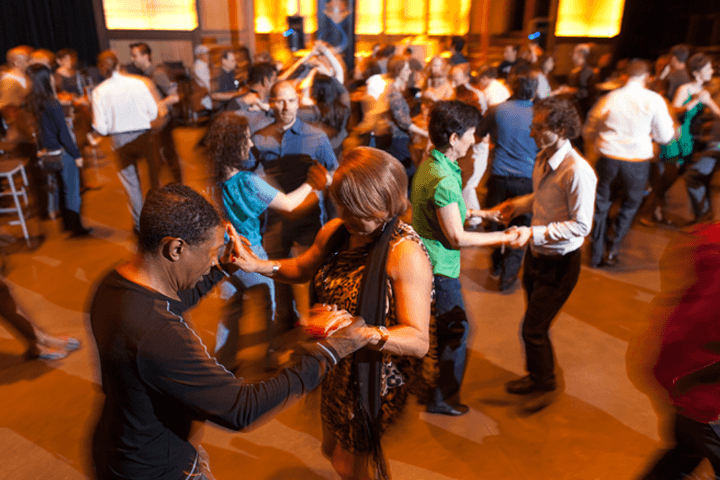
[(245, 196)]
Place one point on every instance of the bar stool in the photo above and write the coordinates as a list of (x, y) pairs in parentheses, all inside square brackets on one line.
[(9, 170)]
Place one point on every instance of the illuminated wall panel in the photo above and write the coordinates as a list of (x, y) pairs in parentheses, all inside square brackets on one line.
[(369, 17), (405, 17), (449, 17), (589, 18), (270, 15), (308, 9), (150, 14)]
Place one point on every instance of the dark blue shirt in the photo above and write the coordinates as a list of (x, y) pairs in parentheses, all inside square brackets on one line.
[(226, 82), (300, 139), (54, 133), (509, 126)]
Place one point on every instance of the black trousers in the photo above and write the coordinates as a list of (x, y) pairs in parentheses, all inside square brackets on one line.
[(693, 442), (166, 151), (632, 178), (500, 188), (548, 281)]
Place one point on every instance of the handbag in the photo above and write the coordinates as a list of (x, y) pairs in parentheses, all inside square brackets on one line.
[(48, 161)]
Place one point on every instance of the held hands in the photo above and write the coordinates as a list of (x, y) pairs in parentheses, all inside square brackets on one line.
[(238, 253), (324, 320), (522, 236), (318, 177), (503, 212), (345, 333), (491, 215)]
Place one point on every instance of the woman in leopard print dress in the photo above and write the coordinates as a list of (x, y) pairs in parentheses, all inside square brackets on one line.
[(369, 190)]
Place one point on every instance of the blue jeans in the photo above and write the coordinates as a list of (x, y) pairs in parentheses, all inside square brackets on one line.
[(452, 333), (69, 186), (233, 290)]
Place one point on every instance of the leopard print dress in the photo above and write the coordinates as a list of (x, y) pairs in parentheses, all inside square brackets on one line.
[(337, 283)]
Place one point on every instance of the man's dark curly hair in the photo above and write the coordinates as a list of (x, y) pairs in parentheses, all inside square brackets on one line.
[(562, 118), (227, 140), (175, 211), (451, 117)]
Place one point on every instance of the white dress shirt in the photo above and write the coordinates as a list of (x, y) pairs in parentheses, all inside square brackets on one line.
[(122, 104), (563, 201), (201, 74), (625, 122), (496, 92)]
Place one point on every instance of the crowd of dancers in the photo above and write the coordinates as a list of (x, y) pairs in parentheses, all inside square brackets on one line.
[(343, 200)]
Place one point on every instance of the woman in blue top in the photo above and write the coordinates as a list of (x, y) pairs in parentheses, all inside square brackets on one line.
[(54, 135), (245, 196)]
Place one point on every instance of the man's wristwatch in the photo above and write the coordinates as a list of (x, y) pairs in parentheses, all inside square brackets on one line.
[(384, 337)]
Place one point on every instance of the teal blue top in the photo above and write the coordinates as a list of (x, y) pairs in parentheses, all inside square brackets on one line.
[(245, 196)]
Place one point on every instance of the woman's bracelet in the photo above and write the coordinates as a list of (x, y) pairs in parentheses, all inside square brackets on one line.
[(275, 269)]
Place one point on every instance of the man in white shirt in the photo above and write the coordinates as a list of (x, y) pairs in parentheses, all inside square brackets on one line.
[(123, 107), (562, 208), (495, 91), (201, 73), (622, 127)]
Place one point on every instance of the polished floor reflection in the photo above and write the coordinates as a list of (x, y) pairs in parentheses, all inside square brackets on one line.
[(607, 422)]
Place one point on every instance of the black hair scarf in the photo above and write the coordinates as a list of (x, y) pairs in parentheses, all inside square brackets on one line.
[(372, 298), (371, 303)]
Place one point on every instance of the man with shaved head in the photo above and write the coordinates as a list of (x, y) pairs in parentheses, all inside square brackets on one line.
[(284, 149)]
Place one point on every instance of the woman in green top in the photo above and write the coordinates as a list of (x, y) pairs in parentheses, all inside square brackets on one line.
[(689, 102), (439, 213)]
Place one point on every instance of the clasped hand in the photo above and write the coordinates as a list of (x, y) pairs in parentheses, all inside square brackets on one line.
[(522, 236), (238, 253), (318, 177), (503, 213)]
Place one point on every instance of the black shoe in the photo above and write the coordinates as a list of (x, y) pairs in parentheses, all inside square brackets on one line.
[(75, 225), (610, 259), (81, 232), (526, 385), (452, 410)]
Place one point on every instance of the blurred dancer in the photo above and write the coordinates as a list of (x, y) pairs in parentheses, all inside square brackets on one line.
[(688, 365), (40, 344)]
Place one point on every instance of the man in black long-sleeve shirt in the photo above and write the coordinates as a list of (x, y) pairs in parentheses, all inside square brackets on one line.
[(157, 375)]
